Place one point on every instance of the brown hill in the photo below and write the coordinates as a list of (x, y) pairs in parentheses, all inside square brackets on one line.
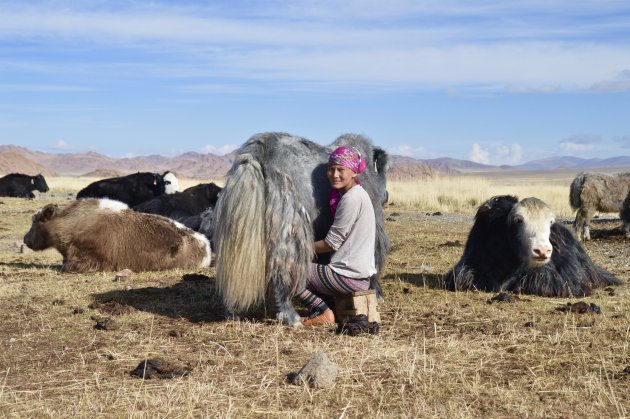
[(14, 162), (404, 168), (191, 165)]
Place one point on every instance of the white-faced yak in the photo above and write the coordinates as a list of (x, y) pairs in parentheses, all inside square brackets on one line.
[(105, 235), (519, 247)]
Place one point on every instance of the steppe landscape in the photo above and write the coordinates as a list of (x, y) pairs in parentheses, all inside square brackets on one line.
[(437, 354)]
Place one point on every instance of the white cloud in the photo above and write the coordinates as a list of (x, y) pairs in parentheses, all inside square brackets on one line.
[(576, 147), (519, 51), (580, 143), (479, 155), (63, 145), (509, 154), (409, 151), (219, 151)]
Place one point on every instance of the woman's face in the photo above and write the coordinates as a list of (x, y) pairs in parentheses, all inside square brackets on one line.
[(341, 177)]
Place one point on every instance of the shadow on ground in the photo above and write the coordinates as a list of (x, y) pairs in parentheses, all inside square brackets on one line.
[(193, 298), (434, 281), (22, 265)]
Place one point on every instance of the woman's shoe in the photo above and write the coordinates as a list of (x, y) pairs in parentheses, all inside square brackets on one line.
[(327, 317)]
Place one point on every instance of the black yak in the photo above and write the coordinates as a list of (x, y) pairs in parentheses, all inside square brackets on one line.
[(105, 235), (185, 206), (132, 189), (591, 192), (19, 185), (518, 246), (274, 206)]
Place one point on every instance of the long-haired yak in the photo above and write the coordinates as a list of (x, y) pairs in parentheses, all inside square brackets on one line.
[(105, 235), (591, 192), (519, 247), (274, 206)]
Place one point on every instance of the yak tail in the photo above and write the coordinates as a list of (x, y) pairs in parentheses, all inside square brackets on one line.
[(263, 233), (576, 191), (240, 236)]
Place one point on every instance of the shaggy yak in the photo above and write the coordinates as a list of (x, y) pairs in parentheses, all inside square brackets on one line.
[(274, 206), (22, 186), (105, 235), (132, 189), (186, 206), (518, 246), (591, 192)]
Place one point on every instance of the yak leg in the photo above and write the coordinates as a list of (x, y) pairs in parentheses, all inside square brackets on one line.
[(581, 224), (626, 228), (285, 312)]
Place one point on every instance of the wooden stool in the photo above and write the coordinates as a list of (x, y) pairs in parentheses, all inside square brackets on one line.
[(359, 302)]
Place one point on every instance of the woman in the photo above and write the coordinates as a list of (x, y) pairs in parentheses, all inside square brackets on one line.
[(351, 237)]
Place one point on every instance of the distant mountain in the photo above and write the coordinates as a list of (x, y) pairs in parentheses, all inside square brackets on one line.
[(449, 165), (192, 165), (208, 166), (569, 162)]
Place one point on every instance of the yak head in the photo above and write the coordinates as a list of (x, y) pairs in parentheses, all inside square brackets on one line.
[(530, 222), (39, 183), (171, 184), (38, 236)]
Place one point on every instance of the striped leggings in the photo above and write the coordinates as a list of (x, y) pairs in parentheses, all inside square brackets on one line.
[(323, 281)]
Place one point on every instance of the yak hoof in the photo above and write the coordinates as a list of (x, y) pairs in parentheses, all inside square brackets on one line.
[(291, 319), (228, 315)]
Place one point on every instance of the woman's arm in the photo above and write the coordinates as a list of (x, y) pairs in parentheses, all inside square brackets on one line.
[(322, 247)]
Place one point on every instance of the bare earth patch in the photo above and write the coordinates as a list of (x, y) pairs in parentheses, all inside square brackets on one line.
[(437, 353)]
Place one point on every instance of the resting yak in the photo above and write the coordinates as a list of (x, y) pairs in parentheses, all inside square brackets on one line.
[(132, 189), (19, 185), (273, 207), (186, 206), (591, 192), (518, 246), (105, 235)]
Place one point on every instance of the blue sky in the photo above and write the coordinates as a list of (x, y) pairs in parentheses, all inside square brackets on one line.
[(490, 81)]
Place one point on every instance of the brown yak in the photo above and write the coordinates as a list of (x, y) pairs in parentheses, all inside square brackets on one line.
[(105, 235)]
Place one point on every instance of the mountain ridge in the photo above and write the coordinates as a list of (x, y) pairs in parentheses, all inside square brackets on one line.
[(197, 165)]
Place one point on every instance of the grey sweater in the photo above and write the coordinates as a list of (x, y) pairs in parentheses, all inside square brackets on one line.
[(353, 234)]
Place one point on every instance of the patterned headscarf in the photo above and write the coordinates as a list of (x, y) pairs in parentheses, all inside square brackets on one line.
[(348, 157)]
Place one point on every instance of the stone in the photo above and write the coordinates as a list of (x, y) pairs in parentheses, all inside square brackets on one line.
[(319, 372)]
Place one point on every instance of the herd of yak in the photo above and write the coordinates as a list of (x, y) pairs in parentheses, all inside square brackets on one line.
[(275, 204)]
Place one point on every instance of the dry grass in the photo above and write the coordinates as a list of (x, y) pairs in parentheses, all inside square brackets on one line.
[(463, 194), (438, 354)]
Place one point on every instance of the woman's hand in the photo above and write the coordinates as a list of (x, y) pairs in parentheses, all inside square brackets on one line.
[(322, 247)]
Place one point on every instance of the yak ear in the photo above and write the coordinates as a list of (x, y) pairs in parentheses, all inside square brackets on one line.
[(48, 212)]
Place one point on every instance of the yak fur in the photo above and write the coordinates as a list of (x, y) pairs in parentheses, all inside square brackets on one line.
[(591, 192), (105, 235), (185, 206), (274, 206), (493, 259)]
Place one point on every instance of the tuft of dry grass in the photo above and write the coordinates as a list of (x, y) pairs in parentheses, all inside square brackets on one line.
[(438, 353)]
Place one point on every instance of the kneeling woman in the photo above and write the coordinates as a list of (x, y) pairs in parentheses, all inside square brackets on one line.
[(351, 238)]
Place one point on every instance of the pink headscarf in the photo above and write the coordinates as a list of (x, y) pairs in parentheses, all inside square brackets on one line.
[(348, 157)]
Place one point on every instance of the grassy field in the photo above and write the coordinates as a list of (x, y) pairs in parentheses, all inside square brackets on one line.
[(438, 353)]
